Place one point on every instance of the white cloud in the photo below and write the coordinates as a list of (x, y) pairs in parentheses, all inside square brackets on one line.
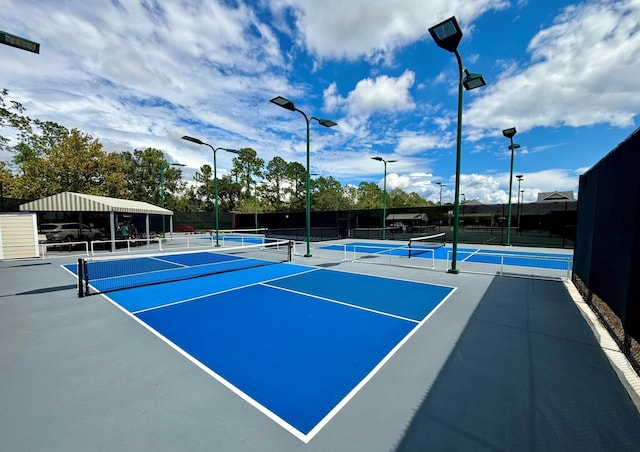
[(382, 94), (374, 30), (579, 73)]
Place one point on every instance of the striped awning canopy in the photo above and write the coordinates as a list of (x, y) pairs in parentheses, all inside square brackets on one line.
[(78, 202)]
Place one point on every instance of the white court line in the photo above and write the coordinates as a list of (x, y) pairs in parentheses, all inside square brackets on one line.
[(305, 438), (187, 300), (320, 425), (471, 255), (331, 300)]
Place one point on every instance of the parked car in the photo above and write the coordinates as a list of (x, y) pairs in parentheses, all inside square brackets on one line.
[(70, 232), (185, 228)]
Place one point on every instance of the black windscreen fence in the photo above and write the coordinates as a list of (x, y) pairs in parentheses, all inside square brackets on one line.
[(608, 242)]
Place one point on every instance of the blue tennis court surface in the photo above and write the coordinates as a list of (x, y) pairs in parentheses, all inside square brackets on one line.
[(294, 341), (477, 255)]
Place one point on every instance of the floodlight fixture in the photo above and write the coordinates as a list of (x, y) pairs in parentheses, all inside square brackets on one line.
[(473, 80), (509, 133), (289, 105), (215, 176), (284, 103), (447, 34), (384, 195), (162, 165)]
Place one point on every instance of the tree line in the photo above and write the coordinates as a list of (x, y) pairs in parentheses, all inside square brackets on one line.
[(48, 159)]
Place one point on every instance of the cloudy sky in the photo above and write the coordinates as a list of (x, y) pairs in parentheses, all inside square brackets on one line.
[(143, 73)]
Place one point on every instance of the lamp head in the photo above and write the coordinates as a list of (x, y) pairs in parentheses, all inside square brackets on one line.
[(509, 133), (391, 161), (514, 146), (326, 122), (380, 159), (473, 80), (447, 34), (519, 176), (284, 103), (193, 140)]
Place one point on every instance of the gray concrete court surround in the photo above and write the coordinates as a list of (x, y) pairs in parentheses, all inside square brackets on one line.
[(506, 363)]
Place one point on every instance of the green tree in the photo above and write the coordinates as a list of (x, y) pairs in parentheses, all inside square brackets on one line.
[(247, 167), (369, 195), (400, 198), (275, 177), (144, 183), (229, 193), (296, 176), (326, 194), (79, 164), (206, 189), (35, 137)]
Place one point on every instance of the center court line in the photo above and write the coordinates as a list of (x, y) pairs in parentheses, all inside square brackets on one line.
[(331, 300), (187, 300), (471, 255)]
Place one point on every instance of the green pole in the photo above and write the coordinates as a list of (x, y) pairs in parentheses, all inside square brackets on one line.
[(215, 192), (255, 204), (308, 194), (162, 194), (510, 187), (456, 205), (384, 204)]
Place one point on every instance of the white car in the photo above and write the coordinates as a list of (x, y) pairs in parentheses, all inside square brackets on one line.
[(70, 232)]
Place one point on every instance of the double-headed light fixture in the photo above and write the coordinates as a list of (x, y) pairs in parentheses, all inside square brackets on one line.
[(384, 196), (289, 105), (162, 166), (447, 35), (510, 133), (215, 175)]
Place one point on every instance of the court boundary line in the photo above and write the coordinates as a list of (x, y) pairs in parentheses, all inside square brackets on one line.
[(304, 438), (343, 303), (219, 378), (210, 294), (347, 398)]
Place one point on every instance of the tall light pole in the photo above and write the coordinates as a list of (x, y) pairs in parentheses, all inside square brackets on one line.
[(255, 205), (509, 133), (289, 105), (447, 35), (215, 175), (441, 185), (519, 177), (520, 212), (440, 205), (464, 200), (162, 164), (384, 195)]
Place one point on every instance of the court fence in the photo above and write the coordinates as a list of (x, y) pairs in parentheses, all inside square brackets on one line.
[(606, 267), (549, 224)]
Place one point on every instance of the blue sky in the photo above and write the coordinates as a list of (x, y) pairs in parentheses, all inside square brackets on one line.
[(138, 74)]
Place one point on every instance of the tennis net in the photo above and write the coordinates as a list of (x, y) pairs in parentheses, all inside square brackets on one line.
[(426, 244), (101, 275)]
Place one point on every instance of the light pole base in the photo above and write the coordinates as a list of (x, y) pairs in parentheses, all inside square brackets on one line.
[(308, 255), (216, 245), (455, 271)]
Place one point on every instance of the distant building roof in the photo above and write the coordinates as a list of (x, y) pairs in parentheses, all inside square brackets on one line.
[(408, 217), (555, 196)]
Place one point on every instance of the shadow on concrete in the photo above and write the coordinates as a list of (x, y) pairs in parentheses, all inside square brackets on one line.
[(43, 290), (526, 374)]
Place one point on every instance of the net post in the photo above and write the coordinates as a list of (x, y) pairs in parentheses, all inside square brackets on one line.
[(289, 250), (80, 273)]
